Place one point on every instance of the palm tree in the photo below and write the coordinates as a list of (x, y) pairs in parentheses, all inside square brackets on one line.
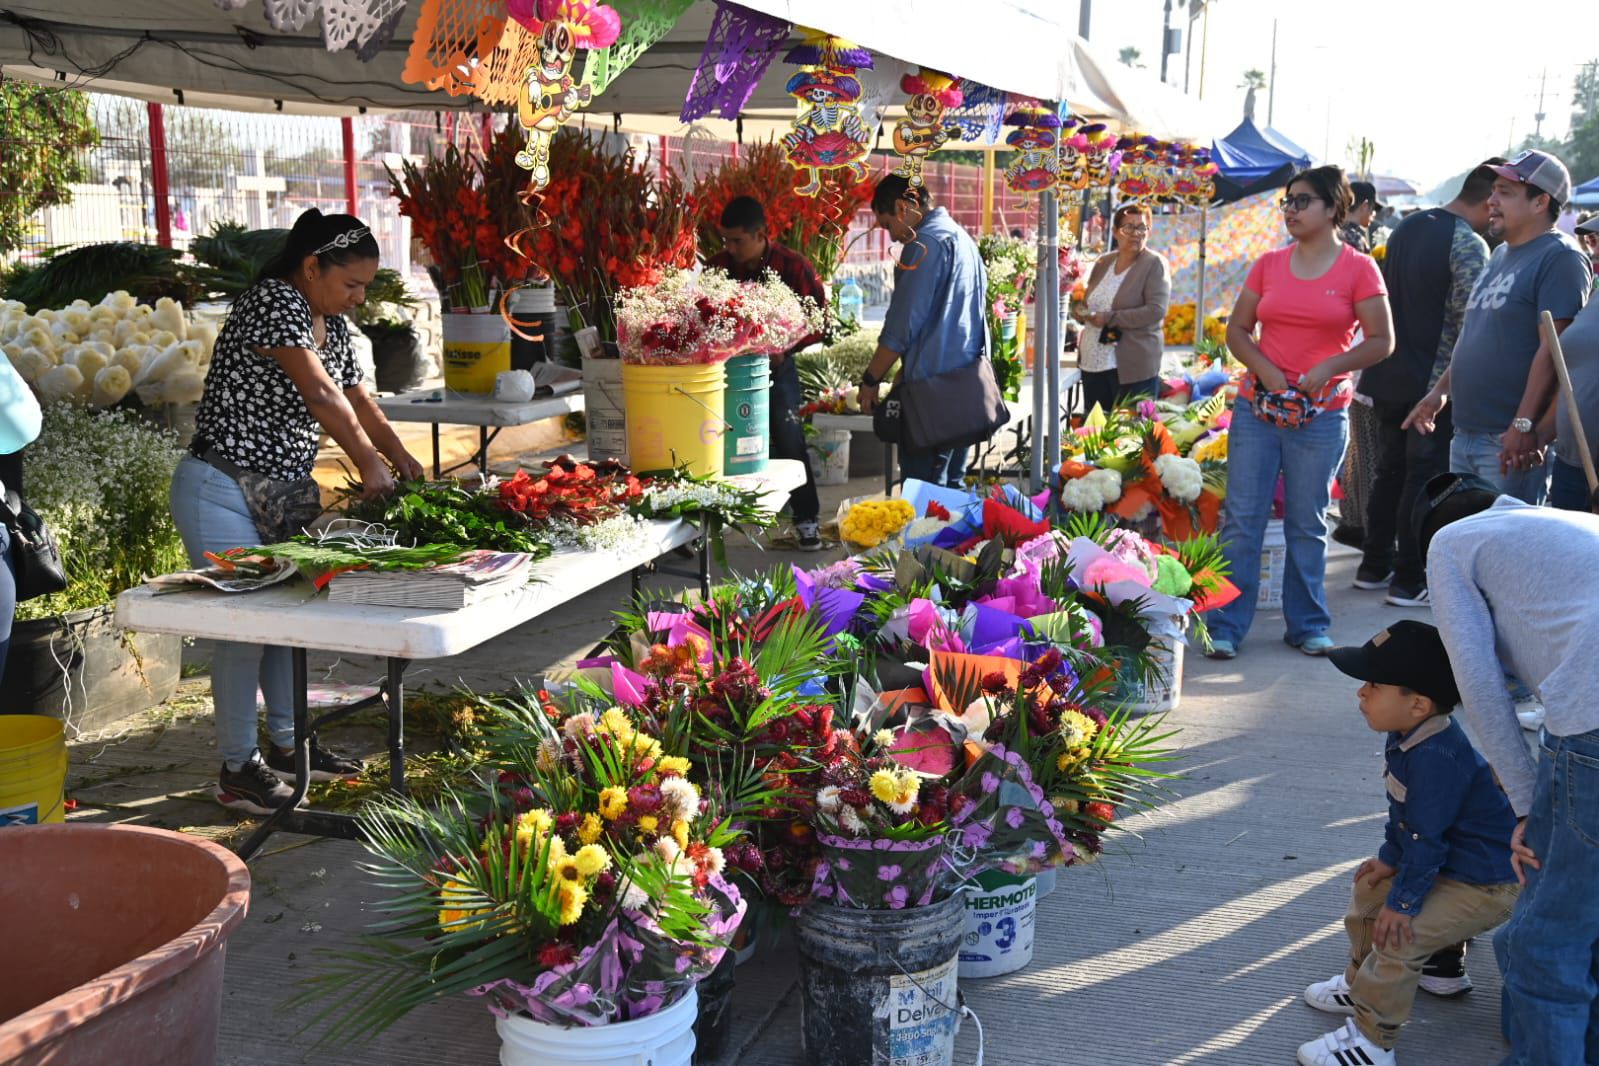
[(1254, 81), (1130, 56)]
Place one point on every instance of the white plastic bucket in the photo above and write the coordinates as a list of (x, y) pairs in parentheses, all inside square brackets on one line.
[(665, 1038), (1164, 690), (1273, 564), (602, 408), (830, 450), (999, 925), (1046, 881)]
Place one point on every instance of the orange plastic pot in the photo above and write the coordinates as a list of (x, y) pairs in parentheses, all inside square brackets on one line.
[(115, 939)]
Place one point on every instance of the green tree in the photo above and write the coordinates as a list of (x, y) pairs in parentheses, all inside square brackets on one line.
[(1131, 57), (1254, 81), (46, 131), (1582, 148)]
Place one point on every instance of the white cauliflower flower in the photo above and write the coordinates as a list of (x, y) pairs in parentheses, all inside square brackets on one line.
[(59, 383), (110, 385), (1182, 478)]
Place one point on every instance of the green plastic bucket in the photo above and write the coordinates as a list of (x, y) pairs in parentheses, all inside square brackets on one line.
[(748, 444)]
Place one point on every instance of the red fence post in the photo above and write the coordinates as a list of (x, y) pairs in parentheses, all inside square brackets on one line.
[(347, 127), (158, 176)]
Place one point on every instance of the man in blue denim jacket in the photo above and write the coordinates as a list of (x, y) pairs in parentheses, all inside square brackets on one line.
[(1443, 874)]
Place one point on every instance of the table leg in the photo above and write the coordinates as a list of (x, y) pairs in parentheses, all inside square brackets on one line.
[(888, 469), (483, 453), (437, 472), (703, 550), (394, 699), (279, 818)]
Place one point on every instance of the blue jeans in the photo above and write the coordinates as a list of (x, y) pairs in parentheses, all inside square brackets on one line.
[(1568, 487), (8, 594), (1307, 458), (1549, 950), (946, 467), (788, 437), (211, 515), (1478, 453)]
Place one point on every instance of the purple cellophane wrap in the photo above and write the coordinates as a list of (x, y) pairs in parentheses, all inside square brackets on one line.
[(740, 46), (632, 971), (1009, 824), (882, 874)]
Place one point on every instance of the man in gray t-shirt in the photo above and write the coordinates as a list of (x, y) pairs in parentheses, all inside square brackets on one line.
[(1500, 378)]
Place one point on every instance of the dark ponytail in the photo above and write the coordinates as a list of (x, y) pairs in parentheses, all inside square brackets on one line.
[(335, 240)]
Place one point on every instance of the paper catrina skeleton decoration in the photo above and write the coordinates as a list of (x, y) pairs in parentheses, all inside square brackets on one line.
[(828, 134), (550, 93), (922, 131), (1037, 163)]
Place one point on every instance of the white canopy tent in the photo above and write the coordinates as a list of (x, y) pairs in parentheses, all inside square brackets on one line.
[(195, 52)]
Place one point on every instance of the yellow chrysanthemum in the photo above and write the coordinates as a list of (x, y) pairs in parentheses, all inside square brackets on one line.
[(591, 829), (680, 833), (896, 788), (453, 919), (566, 871), (672, 764), (613, 801), (557, 850), (883, 738), (572, 896), (648, 823), (1076, 728), (616, 723), (592, 860), (532, 827)]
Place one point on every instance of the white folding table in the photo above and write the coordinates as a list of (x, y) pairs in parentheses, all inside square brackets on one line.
[(291, 616), (444, 407)]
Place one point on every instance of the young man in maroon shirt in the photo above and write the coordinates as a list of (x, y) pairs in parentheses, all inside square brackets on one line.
[(746, 255)]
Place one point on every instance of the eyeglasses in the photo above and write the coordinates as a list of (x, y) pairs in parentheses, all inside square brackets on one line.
[(1136, 231), (1298, 203)]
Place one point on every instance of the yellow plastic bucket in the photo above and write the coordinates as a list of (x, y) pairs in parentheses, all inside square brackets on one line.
[(476, 348), (674, 416), (33, 769)]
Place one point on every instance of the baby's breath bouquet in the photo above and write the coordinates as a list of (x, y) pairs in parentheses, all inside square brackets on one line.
[(100, 480)]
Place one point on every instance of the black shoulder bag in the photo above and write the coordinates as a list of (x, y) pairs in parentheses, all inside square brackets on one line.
[(36, 557)]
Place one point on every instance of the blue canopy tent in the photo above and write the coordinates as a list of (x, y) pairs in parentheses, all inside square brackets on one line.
[(1586, 194), (1252, 159)]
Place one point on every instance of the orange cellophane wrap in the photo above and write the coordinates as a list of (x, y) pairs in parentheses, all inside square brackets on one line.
[(450, 35)]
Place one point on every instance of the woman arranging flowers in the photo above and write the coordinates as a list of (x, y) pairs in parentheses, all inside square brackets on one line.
[(1124, 308), (1311, 300), (281, 374)]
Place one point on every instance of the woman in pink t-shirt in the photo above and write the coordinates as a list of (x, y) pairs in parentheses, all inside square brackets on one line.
[(1323, 314)]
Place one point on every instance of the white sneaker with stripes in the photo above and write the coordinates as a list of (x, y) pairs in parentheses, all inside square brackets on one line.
[(1331, 995), (1344, 1047)]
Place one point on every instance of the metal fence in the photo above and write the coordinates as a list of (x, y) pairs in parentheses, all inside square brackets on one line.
[(264, 170)]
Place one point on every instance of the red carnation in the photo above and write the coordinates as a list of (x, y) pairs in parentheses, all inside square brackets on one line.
[(1100, 811)]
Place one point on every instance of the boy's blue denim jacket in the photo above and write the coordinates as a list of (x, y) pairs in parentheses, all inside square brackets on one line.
[(1447, 815)]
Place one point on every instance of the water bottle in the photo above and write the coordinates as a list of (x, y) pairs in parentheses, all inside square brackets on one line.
[(851, 301)]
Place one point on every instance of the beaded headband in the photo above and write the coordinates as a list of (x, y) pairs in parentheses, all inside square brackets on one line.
[(345, 240)]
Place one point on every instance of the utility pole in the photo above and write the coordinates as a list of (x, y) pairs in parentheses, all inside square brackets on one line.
[(1537, 129), (1165, 42), (1204, 48), (1271, 86), (1085, 15)]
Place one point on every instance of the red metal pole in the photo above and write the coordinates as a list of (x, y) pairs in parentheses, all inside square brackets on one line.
[(347, 126), (486, 127), (665, 167), (159, 177)]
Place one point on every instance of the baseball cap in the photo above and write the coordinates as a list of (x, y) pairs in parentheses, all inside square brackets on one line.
[(1542, 171), (1589, 226), (1407, 653), (1365, 192), (1448, 498)]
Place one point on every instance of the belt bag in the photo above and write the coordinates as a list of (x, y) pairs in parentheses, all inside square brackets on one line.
[(888, 423), (279, 509), (34, 552), (955, 409)]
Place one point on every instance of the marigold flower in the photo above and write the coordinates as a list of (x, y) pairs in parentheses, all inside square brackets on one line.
[(591, 829), (591, 859), (572, 896), (672, 766), (613, 801)]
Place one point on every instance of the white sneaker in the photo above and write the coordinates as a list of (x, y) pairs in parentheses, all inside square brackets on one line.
[(1530, 714), (1447, 987), (1344, 1047), (1331, 995)]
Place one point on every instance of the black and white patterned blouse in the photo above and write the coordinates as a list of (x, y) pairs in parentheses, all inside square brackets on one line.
[(251, 412)]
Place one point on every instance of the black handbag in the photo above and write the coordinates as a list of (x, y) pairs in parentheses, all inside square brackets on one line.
[(955, 409), (35, 556)]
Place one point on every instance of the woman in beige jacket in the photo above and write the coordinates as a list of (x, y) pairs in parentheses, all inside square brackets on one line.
[(1125, 313)]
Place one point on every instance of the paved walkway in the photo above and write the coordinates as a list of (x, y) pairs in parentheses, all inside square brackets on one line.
[(1189, 944)]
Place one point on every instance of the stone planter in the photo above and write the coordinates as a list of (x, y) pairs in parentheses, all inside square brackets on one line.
[(83, 667), (116, 943)]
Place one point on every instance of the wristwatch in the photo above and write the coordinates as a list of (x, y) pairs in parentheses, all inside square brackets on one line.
[(1521, 425), (870, 382)]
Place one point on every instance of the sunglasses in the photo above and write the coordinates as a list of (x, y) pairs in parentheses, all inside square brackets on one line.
[(1298, 203)]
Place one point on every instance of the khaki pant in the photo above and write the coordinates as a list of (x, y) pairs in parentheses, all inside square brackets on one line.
[(1382, 981)]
